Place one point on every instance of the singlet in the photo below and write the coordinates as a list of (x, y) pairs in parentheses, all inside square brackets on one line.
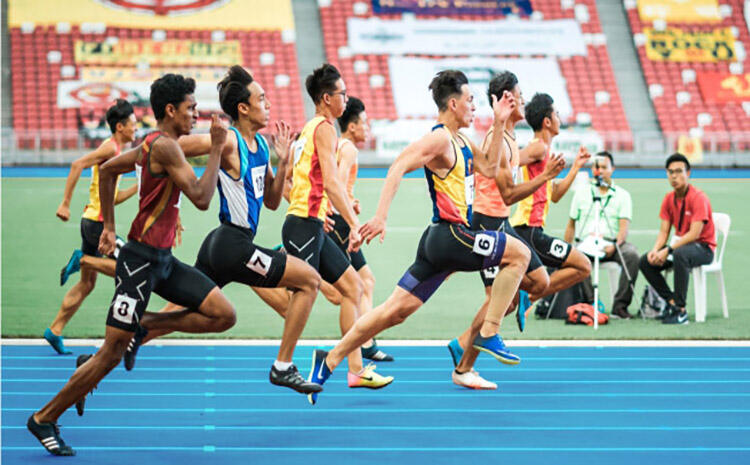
[(158, 202), (93, 209), (352, 175), (453, 195), (240, 200), (488, 199), (532, 211), (307, 198)]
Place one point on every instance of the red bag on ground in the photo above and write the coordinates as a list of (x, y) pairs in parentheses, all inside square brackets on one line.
[(583, 314)]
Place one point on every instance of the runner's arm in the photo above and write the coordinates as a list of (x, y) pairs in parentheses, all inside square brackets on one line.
[(487, 161), (560, 188), (570, 231), (531, 153), (124, 195), (103, 153), (325, 136), (108, 173), (274, 188)]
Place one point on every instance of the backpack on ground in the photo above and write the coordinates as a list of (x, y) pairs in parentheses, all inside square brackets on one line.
[(652, 305), (583, 314)]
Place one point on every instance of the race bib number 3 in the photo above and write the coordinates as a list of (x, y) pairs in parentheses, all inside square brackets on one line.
[(123, 309), (484, 244), (258, 175)]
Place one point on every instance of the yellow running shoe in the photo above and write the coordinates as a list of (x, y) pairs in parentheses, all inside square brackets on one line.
[(368, 379)]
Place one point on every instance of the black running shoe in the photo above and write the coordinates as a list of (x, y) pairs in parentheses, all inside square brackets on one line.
[(48, 435), (375, 354), (292, 379), (135, 344), (81, 403)]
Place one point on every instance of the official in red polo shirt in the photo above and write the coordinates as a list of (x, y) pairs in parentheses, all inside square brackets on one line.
[(687, 210)]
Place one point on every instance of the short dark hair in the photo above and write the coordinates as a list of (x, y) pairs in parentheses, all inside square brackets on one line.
[(118, 113), (677, 156), (604, 153), (354, 107), (537, 109), (233, 90), (445, 85), (500, 83), (322, 81), (170, 88)]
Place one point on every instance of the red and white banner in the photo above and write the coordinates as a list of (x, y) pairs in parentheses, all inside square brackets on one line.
[(724, 87), (76, 94)]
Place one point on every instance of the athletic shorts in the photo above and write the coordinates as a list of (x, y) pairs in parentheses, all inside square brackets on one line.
[(141, 270), (552, 251), (482, 222), (91, 231), (445, 248), (228, 254), (305, 239), (340, 236)]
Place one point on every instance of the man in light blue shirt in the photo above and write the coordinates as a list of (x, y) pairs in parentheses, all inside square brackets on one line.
[(617, 211)]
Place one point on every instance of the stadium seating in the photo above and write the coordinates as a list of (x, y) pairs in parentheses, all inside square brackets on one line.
[(727, 123), (585, 75)]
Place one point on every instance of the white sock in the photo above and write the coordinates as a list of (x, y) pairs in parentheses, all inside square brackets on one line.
[(282, 366)]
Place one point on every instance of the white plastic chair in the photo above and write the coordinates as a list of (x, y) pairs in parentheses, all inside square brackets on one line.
[(722, 221), (613, 273)]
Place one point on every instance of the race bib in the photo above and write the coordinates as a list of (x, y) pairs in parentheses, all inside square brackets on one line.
[(123, 309), (484, 244), (258, 175), (558, 248), (469, 185), (259, 262)]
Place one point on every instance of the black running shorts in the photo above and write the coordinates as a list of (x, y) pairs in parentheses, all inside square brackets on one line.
[(445, 248), (228, 254), (482, 222), (340, 236), (552, 251), (91, 231), (141, 270), (304, 238)]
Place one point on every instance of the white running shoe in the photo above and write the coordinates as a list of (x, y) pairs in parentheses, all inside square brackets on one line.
[(472, 380)]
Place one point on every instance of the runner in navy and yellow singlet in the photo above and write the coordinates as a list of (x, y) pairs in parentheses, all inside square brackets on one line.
[(145, 264), (528, 220), (447, 245), (315, 183), (121, 121), (246, 184)]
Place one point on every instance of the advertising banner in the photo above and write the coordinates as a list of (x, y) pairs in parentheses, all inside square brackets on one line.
[(453, 7), (116, 73), (450, 37), (411, 76), (679, 11), (160, 53), (724, 87), (674, 44), (77, 94)]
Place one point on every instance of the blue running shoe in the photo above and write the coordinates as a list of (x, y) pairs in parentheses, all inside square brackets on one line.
[(74, 264), (523, 306), (456, 351), (319, 372), (496, 347), (56, 342)]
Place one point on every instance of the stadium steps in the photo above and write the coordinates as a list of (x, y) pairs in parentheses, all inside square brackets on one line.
[(628, 74), (310, 51), (7, 97)]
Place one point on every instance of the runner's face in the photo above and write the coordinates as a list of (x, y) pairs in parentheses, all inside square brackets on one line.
[(360, 130), (186, 115), (338, 99), (678, 175), (127, 128), (520, 104), (554, 119), (258, 110), (465, 107)]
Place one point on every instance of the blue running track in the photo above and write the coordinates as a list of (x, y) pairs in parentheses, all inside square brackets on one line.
[(562, 406)]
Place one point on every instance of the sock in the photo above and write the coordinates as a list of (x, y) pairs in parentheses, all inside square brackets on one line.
[(460, 372), (282, 366)]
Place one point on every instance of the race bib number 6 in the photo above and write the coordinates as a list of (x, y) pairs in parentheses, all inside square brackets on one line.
[(484, 244)]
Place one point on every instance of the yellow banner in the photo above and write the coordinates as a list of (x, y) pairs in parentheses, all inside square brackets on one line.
[(157, 14), (679, 11), (163, 53), (114, 74), (674, 44)]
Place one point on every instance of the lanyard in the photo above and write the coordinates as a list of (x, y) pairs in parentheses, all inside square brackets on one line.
[(682, 209)]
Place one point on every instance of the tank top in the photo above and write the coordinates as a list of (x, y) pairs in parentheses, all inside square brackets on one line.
[(453, 195), (307, 198), (352, 175), (158, 202), (241, 199), (93, 209), (488, 199), (532, 211)]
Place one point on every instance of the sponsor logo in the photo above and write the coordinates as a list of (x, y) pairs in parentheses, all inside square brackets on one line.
[(164, 7)]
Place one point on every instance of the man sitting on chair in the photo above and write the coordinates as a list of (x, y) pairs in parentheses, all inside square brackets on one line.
[(616, 213), (688, 210)]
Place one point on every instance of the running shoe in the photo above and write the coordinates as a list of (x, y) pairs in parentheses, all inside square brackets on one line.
[(676, 318), (292, 379), (456, 351), (135, 344), (56, 342), (524, 303), (368, 379), (496, 347), (74, 265), (375, 354), (81, 403), (48, 435), (472, 380), (319, 372)]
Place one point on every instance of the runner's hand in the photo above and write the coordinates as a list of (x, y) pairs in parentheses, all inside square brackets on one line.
[(554, 166), (218, 132), (356, 207), (374, 227), (178, 232), (107, 242), (355, 239), (63, 212), (582, 157), (282, 141), (504, 107), (328, 223)]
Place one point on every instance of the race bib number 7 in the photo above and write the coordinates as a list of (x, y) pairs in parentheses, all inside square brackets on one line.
[(484, 244)]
